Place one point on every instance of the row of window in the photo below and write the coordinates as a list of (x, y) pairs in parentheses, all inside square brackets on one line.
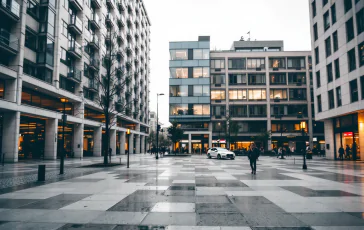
[(189, 90), (260, 79), (347, 6), (241, 110), (190, 72), (189, 54), (189, 109), (259, 94)]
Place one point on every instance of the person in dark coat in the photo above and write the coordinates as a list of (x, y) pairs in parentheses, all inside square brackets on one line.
[(341, 153), (253, 154), (354, 150), (347, 149)]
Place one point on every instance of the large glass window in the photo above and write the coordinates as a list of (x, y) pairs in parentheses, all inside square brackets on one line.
[(256, 63), (217, 94), (205, 90), (362, 87), (278, 79), (360, 21), (347, 5), (338, 96), (257, 94), (297, 78), (237, 94), (32, 9), (217, 64), (328, 46), (178, 91), (333, 14), (331, 99), (201, 54), (318, 79), (317, 55), (354, 91), (335, 41), (237, 79), (218, 110), (280, 94), (257, 79), (313, 5), (329, 73), (349, 30), (257, 110), (178, 72), (361, 54), (239, 111), (31, 40), (178, 54), (297, 94), (199, 109), (200, 72), (277, 63), (327, 20), (237, 63), (315, 32), (296, 63), (218, 79), (351, 60), (178, 109), (319, 105), (294, 110)]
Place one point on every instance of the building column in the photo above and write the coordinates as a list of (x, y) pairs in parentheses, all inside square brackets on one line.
[(210, 140), (78, 131), (142, 141), (122, 142), (131, 143), (10, 90), (361, 134), (329, 139), (112, 142), (50, 147), (97, 141), (189, 143), (11, 125), (137, 144)]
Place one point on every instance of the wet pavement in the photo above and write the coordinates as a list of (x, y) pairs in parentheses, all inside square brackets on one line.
[(193, 194)]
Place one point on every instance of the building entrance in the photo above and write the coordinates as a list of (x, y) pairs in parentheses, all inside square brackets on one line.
[(31, 138), (88, 141)]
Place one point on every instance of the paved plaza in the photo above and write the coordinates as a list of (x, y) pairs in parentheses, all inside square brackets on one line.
[(195, 193)]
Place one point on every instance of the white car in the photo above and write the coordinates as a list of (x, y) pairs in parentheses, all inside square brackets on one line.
[(220, 153)]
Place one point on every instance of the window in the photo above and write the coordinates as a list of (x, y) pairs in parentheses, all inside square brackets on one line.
[(85, 70), (237, 94), (337, 68), (201, 90), (277, 63), (333, 14), (278, 94), (349, 30), (257, 94), (201, 54), (205, 90), (237, 63), (239, 111), (257, 110), (178, 72), (317, 55), (297, 78), (297, 94), (64, 28), (199, 109), (318, 79), (66, 84), (360, 21), (296, 63), (256, 63), (31, 40), (178, 91), (335, 41), (309, 62), (218, 110), (324, 2), (362, 87), (319, 106), (237, 79), (331, 99), (315, 32), (361, 54), (218, 79), (338, 96), (330, 76), (217, 94), (63, 55), (351, 60), (278, 79), (32, 9), (327, 20), (178, 109), (217, 64), (328, 46), (347, 5), (200, 72), (277, 110), (313, 4), (256, 79), (178, 54), (354, 91)]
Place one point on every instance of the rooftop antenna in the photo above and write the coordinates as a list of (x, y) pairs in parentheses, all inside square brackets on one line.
[(242, 38), (249, 35)]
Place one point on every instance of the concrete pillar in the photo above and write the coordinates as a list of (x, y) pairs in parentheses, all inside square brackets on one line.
[(11, 125), (329, 138), (142, 141), (50, 148), (122, 142), (131, 143), (97, 141), (112, 142), (189, 143), (10, 90), (78, 132), (137, 144), (361, 134)]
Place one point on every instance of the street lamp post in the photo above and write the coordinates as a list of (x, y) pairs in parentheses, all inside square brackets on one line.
[(64, 119), (218, 141), (303, 127), (156, 155), (128, 134)]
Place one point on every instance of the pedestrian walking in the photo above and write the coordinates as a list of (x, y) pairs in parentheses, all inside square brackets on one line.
[(347, 149), (341, 153), (110, 151), (253, 154)]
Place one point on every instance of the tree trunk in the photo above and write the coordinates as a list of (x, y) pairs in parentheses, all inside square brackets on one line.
[(107, 138)]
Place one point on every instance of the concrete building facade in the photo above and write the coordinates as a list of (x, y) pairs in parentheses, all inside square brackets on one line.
[(337, 41), (54, 50)]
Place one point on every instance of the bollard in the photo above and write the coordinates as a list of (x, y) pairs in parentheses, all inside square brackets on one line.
[(120, 160), (41, 172), (294, 161)]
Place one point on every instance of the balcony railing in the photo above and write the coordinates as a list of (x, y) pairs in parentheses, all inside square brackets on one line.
[(75, 24), (94, 63), (74, 73), (77, 4), (96, 3), (95, 41), (93, 85), (75, 49), (109, 20), (11, 7), (95, 20), (111, 3), (9, 41)]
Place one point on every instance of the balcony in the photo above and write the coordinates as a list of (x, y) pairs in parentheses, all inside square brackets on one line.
[(96, 3), (93, 85), (121, 5), (11, 9), (74, 74), (77, 4), (111, 3), (120, 21), (95, 43), (8, 42), (75, 50), (109, 20), (95, 21), (75, 24), (120, 38), (94, 64)]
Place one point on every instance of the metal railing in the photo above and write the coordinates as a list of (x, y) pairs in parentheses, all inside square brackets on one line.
[(92, 84), (74, 20), (74, 46), (95, 40), (13, 7), (74, 73), (8, 39), (95, 18), (95, 62)]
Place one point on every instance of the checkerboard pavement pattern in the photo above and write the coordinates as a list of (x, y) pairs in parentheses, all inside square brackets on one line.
[(196, 193)]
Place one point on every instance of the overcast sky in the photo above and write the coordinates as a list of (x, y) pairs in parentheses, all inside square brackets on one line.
[(224, 21)]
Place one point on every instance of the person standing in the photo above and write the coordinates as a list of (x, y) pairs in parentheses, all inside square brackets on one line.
[(253, 154), (341, 153), (347, 149), (354, 150)]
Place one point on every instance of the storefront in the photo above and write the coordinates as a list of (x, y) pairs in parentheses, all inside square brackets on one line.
[(88, 141), (219, 143), (31, 138), (68, 139)]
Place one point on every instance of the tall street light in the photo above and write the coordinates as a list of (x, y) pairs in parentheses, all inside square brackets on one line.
[(156, 155), (303, 127), (128, 135), (64, 119)]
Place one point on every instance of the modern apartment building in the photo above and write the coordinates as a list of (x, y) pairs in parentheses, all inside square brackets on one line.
[(53, 50), (337, 41), (256, 87)]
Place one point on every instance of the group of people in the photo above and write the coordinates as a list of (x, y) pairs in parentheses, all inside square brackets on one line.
[(348, 153), (283, 151), (161, 151)]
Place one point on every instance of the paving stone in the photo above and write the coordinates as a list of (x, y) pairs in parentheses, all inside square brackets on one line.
[(30, 226), (124, 206), (329, 219), (216, 208), (221, 219), (157, 218), (15, 203), (88, 227)]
